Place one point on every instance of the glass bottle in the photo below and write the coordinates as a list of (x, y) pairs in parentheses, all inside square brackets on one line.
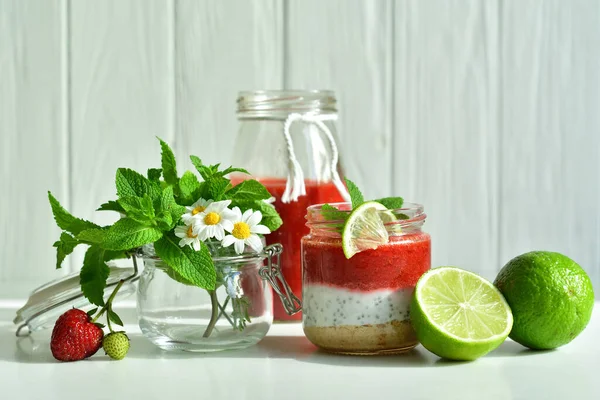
[(288, 141), (361, 305)]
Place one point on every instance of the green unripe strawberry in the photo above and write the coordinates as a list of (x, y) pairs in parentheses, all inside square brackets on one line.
[(116, 345)]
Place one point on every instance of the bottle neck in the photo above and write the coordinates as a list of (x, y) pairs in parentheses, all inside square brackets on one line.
[(279, 104)]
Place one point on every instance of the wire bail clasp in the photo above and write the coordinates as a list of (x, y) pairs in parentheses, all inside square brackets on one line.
[(272, 273)]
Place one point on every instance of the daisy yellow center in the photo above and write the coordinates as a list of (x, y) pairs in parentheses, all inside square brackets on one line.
[(212, 218), (241, 230), (190, 233), (198, 210)]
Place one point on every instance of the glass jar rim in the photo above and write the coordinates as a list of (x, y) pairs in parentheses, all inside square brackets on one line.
[(249, 257), (413, 212), (278, 104), (249, 260)]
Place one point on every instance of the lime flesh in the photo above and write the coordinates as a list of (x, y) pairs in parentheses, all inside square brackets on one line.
[(459, 315), (364, 229)]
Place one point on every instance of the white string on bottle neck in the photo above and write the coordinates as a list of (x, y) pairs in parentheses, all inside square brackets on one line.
[(295, 186)]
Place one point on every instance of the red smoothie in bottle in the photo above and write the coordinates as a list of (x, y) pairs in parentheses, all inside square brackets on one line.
[(293, 229)]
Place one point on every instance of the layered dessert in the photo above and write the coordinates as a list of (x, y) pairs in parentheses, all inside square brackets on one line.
[(361, 305)]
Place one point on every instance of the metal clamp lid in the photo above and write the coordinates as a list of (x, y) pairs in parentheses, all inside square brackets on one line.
[(272, 273)]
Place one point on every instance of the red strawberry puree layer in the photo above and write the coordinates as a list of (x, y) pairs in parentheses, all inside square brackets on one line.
[(396, 265)]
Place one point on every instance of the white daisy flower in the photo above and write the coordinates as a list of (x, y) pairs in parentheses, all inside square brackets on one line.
[(214, 221), (245, 231), (194, 210), (188, 237)]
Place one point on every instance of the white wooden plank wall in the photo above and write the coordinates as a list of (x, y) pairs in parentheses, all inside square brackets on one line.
[(550, 142), (221, 47), (350, 52), (487, 112), (446, 125), (121, 95), (34, 146)]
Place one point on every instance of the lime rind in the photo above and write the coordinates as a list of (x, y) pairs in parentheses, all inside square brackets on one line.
[(364, 229)]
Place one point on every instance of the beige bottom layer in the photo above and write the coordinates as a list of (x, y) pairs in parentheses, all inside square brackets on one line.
[(392, 337)]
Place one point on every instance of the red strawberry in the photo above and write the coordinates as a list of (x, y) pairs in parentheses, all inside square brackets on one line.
[(74, 337)]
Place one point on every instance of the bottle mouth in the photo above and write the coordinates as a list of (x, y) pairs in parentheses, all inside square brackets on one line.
[(410, 217), (278, 104)]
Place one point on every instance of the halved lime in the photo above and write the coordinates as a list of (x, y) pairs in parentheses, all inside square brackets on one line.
[(458, 314), (364, 229)]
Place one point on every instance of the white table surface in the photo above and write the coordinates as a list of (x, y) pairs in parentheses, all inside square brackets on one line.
[(286, 366)]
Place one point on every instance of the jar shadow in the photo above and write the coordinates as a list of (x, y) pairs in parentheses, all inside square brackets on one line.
[(290, 347)]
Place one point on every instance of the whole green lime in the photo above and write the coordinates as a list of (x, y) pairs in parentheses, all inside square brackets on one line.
[(551, 298)]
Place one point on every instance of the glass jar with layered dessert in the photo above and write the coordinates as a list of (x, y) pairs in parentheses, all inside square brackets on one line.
[(360, 305)]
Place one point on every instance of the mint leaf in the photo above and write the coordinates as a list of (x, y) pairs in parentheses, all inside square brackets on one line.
[(205, 171), (64, 246), (154, 174), (391, 203), (216, 187), (128, 234), (355, 194), (92, 236), (248, 190), (167, 199), (114, 318), (139, 209), (131, 183), (232, 169), (331, 213), (93, 275), (169, 166), (189, 189), (65, 220), (111, 206), (270, 219), (165, 221), (195, 267), (169, 212)]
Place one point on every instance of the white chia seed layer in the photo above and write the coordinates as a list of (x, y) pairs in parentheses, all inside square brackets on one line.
[(330, 306)]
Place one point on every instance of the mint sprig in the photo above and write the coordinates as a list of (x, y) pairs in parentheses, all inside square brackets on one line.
[(64, 246), (331, 213), (391, 203), (150, 207), (93, 275), (356, 197), (65, 220), (168, 163)]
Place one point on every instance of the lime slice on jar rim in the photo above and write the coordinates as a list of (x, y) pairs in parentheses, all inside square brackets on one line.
[(459, 315), (364, 229)]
